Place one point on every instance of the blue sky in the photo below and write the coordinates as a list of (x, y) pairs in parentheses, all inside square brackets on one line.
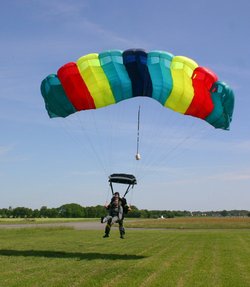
[(186, 164)]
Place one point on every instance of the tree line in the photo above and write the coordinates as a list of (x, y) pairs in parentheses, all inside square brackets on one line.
[(74, 210)]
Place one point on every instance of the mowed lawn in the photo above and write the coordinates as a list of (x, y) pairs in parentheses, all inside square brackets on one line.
[(68, 257), (193, 223)]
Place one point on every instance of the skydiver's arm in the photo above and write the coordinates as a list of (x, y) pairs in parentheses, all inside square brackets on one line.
[(107, 206)]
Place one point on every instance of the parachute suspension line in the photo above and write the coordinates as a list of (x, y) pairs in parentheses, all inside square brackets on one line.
[(92, 142), (98, 143), (75, 121), (168, 139), (169, 151), (138, 156), (136, 164), (131, 196), (115, 134), (71, 123), (107, 196), (155, 133), (171, 155), (104, 131)]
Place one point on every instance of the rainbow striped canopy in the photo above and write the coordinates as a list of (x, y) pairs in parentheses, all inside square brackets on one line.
[(176, 82)]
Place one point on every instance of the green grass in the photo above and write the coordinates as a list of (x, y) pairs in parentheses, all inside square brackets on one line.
[(193, 223), (66, 257), (42, 220), (176, 223)]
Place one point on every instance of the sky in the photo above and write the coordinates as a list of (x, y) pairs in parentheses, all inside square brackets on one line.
[(185, 163)]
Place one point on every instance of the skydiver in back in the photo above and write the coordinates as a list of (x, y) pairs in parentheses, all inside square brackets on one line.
[(115, 216), (122, 201)]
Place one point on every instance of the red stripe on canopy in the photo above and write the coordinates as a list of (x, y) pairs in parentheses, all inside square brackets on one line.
[(202, 105), (75, 87)]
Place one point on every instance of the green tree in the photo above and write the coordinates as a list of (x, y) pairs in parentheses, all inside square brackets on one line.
[(22, 212), (36, 213), (145, 213), (44, 211), (224, 213), (135, 212), (5, 212), (72, 210)]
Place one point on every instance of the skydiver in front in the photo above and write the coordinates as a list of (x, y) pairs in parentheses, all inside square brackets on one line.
[(115, 216)]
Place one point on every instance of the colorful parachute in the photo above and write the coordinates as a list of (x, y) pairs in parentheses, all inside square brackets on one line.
[(177, 82)]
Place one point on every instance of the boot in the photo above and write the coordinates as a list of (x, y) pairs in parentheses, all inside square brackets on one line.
[(122, 233), (107, 230)]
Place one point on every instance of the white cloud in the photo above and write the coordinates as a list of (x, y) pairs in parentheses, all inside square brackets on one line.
[(7, 155), (235, 176), (61, 8), (74, 17), (5, 150)]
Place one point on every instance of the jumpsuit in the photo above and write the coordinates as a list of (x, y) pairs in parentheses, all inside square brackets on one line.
[(115, 216)]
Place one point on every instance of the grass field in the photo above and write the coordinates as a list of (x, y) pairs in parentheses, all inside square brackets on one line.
[(194, 223), (42, 220), (183, 257)]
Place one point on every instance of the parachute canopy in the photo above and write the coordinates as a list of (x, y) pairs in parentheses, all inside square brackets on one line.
[(122, 178), (176, 82)]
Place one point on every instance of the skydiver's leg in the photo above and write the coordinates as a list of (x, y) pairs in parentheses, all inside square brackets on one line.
[(121, 229), (106, 218), (107, 228), (114, 219)]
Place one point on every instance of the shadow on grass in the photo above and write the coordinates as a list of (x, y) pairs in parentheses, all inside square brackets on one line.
[(63, 254)]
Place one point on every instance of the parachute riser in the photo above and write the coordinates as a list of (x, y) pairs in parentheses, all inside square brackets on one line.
[(122, 178), (127, 190), (112, 189)]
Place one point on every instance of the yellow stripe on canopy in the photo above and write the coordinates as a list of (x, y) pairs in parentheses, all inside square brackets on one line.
[(182, 93), (96, 80)]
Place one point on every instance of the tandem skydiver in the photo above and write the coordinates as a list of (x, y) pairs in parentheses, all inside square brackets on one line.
[(115, 216)]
